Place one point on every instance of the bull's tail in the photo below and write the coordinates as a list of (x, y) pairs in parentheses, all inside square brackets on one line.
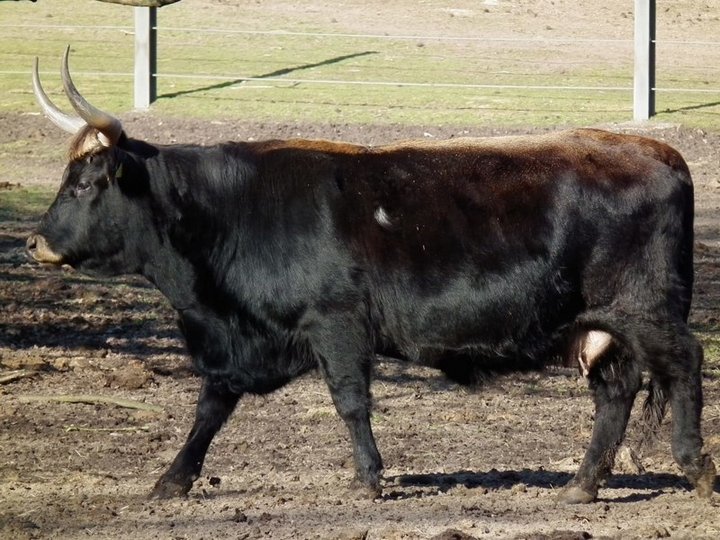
[(653, 412)]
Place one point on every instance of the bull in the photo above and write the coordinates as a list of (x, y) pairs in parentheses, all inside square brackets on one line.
[(472, 255)]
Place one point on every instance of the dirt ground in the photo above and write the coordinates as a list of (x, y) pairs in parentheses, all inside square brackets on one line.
[(459, 464)]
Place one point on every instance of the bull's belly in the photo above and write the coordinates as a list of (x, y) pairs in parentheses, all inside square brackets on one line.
[(471, 341)]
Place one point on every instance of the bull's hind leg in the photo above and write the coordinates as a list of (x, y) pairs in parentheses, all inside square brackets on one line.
[(674, 358), (614, 383), (686, 401), (344, 356), (215, 405)]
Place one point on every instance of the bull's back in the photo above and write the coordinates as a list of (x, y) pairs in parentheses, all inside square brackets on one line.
[(492, 245), (496, 245)]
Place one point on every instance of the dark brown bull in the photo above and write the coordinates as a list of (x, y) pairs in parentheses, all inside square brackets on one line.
[(472, 255)]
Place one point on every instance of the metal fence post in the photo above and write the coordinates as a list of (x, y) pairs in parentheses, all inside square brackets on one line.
[(145, 56), (644, 79)]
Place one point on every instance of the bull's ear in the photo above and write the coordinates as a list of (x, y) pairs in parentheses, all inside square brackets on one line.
[(130, 177)]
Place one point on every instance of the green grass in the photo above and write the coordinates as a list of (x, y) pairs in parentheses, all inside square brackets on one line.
[(201, 73), (24, 203), (709, 336)]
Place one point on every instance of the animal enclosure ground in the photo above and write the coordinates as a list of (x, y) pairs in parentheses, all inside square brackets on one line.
[(484, 463)]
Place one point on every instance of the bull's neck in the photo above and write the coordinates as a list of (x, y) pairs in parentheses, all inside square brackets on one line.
[(173, 275), (192, 189)]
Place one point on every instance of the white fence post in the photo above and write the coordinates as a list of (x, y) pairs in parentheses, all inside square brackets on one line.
[(644, 80), (145, 56)]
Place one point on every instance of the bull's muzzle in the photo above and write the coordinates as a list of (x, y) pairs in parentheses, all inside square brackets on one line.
[(38, 249)]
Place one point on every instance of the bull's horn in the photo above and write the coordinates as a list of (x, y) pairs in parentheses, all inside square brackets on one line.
[(108, 126), (64, 121)]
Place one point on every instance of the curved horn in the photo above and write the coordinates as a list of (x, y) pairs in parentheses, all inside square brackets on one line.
[(108, 126), (71, 124)]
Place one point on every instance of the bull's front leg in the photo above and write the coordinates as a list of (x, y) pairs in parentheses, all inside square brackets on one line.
[(214, 406), (344, 352)]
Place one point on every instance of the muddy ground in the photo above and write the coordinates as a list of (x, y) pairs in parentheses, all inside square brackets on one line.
[(459, 464)]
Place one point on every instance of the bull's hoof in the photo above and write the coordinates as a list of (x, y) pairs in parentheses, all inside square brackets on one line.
[(576, 495), (705, 484), (168, 489), (363, 490)]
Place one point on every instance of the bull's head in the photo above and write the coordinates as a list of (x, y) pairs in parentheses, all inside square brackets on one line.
[(88, 223)]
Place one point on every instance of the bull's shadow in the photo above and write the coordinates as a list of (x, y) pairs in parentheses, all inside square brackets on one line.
[(276, 73), (73, 326), (651, 485)]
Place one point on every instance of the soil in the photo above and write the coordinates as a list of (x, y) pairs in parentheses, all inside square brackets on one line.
[(484, 463)]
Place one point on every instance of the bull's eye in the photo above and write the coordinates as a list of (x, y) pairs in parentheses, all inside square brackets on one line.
[(83, 187)]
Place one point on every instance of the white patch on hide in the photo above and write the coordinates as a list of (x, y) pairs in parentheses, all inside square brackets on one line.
[(592, 347), (382, 217)]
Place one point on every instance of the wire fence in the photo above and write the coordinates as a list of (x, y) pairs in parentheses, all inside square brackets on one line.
[(274, 71)]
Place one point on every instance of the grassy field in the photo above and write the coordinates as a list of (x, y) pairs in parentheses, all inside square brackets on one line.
[(435, 64), (25, 204)]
